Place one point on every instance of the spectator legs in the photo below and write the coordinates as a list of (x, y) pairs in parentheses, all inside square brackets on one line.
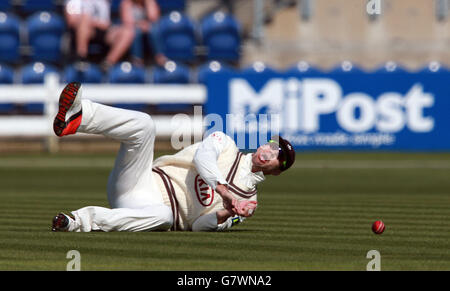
[(83, 34), (119, 38)]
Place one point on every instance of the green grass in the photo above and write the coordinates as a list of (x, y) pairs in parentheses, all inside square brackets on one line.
[(316, 216)]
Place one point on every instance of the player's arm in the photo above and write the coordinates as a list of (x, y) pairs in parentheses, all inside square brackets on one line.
[(205, 158), (205, 161)]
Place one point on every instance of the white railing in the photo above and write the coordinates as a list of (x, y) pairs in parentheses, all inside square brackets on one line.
[(48, 94)]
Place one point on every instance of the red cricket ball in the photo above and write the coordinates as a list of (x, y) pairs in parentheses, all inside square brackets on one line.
[(378, 227)]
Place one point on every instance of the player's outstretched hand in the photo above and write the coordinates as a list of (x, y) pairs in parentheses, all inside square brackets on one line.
[(244, 208)]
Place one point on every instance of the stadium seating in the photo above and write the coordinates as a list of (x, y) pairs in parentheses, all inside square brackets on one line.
[(434, 67), (176, 34), (32, 6), (89, 73), (6, 77), (34, 74), (346, 67), (45, 31), (9, 38), (126, 73), (211, 67), (390, 67), (221, 36), (257, 68), (303, 67), (167, 6), (5, 5), (171, 73)]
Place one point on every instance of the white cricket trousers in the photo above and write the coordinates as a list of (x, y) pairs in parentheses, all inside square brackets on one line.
[(135, 200)]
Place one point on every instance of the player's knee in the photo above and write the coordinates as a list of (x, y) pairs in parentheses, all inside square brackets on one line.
[(146, 123)]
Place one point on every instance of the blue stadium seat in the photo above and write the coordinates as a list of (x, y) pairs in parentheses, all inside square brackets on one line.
[(90, 73), (434, 67), (5, 5), (346, 67), (221, 34), (6, 77), (167, 6), (34, 74), (257, 68), (176, 35), (9, 38), (45, 32), (390, 67), (32, 6), (126, 73), (303, 67), (171, 73), (212, 67)]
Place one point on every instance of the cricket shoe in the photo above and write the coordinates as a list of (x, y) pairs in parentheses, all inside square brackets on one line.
[(62, 222), (69, 114)]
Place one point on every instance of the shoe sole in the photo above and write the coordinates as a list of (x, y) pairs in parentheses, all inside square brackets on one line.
[(66, 99)]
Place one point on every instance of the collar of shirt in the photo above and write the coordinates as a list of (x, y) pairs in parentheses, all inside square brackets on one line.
[(249, 178)]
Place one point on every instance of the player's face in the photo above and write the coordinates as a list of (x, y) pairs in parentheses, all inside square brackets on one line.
[(266, 159)]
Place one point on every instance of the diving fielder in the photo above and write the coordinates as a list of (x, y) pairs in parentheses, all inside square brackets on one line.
[(207, 186)]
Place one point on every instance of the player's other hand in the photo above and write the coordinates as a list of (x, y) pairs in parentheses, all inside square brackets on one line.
[(244, 208)]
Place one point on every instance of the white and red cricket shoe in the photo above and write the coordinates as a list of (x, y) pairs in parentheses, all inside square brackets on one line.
[(68, 118)]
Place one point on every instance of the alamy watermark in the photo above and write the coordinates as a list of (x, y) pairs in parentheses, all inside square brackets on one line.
[(373, 7), (375, 262), (75, 260), (249, 130)]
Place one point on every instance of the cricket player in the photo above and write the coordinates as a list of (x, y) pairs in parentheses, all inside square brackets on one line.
[(207, 186)]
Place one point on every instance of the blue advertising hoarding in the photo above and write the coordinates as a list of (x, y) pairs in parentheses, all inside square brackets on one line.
[(340, 109)]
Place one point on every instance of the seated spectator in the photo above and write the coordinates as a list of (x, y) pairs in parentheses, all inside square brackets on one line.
[(90, 21), (139, 15)]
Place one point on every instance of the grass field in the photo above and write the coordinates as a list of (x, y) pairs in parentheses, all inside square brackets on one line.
[(316, 216)]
